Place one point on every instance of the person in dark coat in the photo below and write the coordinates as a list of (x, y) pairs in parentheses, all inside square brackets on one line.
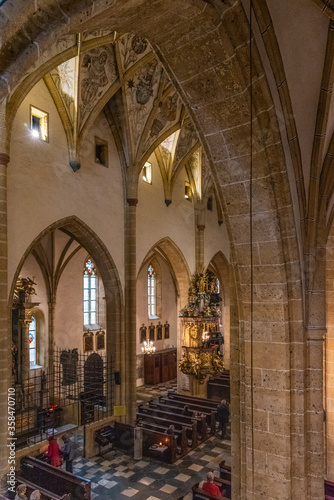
[(67, 452), (186, 412), (223, 415)]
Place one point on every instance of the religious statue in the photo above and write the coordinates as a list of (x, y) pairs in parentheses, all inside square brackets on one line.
[(166, 327), (151, 330), (142, 333), (159, 331)]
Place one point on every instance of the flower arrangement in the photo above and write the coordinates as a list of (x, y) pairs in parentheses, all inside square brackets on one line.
[(200, 364)]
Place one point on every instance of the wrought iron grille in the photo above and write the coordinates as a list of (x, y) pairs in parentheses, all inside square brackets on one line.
[(78, 390)]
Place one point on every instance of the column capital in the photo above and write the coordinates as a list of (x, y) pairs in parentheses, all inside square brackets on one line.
[(132, 202), (201, 227), (4, 159)]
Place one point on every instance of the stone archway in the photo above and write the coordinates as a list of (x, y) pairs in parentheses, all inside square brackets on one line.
[(177, 264), (215, 86), (81, 233), (179, 270)]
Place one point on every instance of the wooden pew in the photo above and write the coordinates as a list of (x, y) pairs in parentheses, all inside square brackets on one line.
[(202, 426), (191, 429), (45, 494), (57, 481), (152, 438), (217, 392), (225, 471), (329, 490), (189, 399), (199, 494), (208, 412), (180, 434), (123, 438)]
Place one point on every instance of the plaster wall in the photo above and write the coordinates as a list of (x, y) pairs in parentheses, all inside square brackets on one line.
[(167, 309), (215, 236), (42, 188), (168, 306), (69, 307), (301, 29), (156, 221)]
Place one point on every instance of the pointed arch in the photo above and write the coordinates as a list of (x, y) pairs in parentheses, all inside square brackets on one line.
[(176, 262), (95, 247)]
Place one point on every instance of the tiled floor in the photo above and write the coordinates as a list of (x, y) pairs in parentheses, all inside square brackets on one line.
[(117, 476)]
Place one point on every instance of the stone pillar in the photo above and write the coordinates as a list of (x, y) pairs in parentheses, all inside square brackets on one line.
[(130, 309), (51, 308), (315, 334), (200, 246), (329, 360), (5, 355), (315, 413), (199, 241)]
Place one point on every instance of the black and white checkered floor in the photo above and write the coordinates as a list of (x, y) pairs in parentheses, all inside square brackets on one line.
[(117, 476)]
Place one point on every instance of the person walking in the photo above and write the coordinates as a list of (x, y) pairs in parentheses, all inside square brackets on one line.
[(67, 452), (223, 415)]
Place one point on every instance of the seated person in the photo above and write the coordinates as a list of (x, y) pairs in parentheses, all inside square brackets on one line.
[(21, 491), (209, 485), (170, 430), (35, 495)]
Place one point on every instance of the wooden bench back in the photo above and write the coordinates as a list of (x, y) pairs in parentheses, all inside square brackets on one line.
[(58, 481)]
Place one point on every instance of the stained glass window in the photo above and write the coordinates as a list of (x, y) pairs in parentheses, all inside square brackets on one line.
[(151, 292), (32, 342), (90, 293)]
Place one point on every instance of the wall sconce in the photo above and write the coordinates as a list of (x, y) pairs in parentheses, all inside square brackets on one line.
[(187, 191)]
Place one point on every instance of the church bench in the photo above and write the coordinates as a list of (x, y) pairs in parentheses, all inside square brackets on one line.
[(202, 418), (224, 471), (45, 494), (202, 426), (191, 429), (123, 437), (199, 494), (329, 490), (189, 399), (219, 380), (217, 391), (58, 481), (180, 434), (166, 452), (209, 413)]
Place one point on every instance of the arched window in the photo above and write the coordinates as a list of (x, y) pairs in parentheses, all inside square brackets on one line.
[(151, 293), (32, 343), (90, 293)]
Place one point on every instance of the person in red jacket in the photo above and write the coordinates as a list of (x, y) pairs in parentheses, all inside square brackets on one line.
[(53, 452), (209, 486)]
